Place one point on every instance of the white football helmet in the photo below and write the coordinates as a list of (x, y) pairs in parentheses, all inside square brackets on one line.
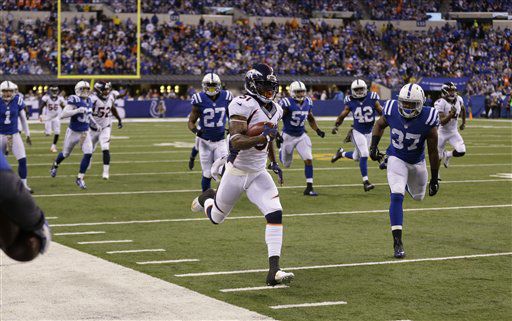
[(211, 84), (83, 89), (298, 90), (359, 88), (410, 100), (8, 90)]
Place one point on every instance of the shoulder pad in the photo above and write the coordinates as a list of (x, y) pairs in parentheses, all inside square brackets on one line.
[(347, 99), (310, 101), (196, 99), (433, 117), (388, 107), (374, 95)]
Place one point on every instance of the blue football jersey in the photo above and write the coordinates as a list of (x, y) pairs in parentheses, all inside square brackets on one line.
[(363, 111), (213, 114), (4, 165), (295, 115), (9, 113), (408, 135), (80, 121)]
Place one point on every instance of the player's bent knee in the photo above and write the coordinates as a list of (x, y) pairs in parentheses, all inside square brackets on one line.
[(212, 211), (274, 217), (418, 197)]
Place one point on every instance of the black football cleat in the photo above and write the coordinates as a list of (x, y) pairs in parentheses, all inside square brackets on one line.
[(310, 192), (338, 155), (399, 249), (191, 163), (279, 277), (368, 186)]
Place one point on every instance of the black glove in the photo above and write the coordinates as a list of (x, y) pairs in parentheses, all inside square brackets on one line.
[(348, 138), (119, 124), (197, 132), (320, 133), (334, 130), (279, 140), (276, 169), (433, 186), (375, 154), (270, 132)]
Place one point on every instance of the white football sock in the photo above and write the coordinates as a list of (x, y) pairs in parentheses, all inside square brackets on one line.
[(106, 169), (274, 239), (81, 175)]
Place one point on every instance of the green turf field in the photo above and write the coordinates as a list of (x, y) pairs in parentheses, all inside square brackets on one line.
[(471, 215)]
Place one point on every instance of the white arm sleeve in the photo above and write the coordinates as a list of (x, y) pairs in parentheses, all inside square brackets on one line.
[(24, 123), (69, 111)]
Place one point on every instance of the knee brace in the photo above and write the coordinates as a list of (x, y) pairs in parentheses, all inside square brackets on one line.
[(213, 212), (274, 217)]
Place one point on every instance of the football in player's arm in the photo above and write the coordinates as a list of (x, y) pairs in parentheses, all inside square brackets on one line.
[(296, 109), (246, 170), (207, 121), (411, 125), (363, 106)]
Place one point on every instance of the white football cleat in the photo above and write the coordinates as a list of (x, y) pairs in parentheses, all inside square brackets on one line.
[(281, 277), (196, 207), (53, 149), (446, 160), (105, 176)]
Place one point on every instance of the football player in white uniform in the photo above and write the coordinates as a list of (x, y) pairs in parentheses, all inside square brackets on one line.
[(209, 109), (49, 113), (296, 110), (103, 108), (12, 113), (245, 170), (450, 106)]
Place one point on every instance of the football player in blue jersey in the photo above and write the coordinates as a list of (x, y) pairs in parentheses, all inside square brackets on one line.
[(24, 232), (12, 109), (209, 108), (411, 124), (296, 110), (363, 106), (79, 109)]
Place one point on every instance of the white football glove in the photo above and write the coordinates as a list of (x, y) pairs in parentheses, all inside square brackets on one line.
[(81, 110), (218, 167)]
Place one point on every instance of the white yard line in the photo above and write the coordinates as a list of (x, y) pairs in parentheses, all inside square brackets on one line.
[(306, 305), (52, 217), (106, 242), (257, 288), (252, 217), (279, 187), (135, 251), (79, 233), (167, 261), (313, 267)]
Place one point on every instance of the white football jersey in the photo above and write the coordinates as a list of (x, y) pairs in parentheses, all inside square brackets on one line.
[(101, 109), (253, 159), (443, 106), (53, 106)]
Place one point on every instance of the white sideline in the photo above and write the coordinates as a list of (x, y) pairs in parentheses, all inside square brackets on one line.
[(66, 284), (167, 261), (279, 187), (312, 267), (79, 233), (285, 170), (106, 242), (306, 305), (136, 251), (257, 288), (423, 209)]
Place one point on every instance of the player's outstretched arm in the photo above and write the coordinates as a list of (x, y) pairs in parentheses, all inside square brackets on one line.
[(192, 119), (378, 107), (433, 156), (314, 125), (340, 119), (237, 130), (24, 125), (377, 132), (70, 111)]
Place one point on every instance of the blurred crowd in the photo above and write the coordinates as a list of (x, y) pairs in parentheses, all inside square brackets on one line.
[(27, 47), (91, 46), (389, 56), (401, 9), (481, 6)]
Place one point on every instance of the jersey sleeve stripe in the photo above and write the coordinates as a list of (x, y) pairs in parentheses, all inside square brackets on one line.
[(430, 116), (435, 119)]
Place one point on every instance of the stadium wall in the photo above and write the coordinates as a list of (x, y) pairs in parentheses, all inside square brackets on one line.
[(181, 108)]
